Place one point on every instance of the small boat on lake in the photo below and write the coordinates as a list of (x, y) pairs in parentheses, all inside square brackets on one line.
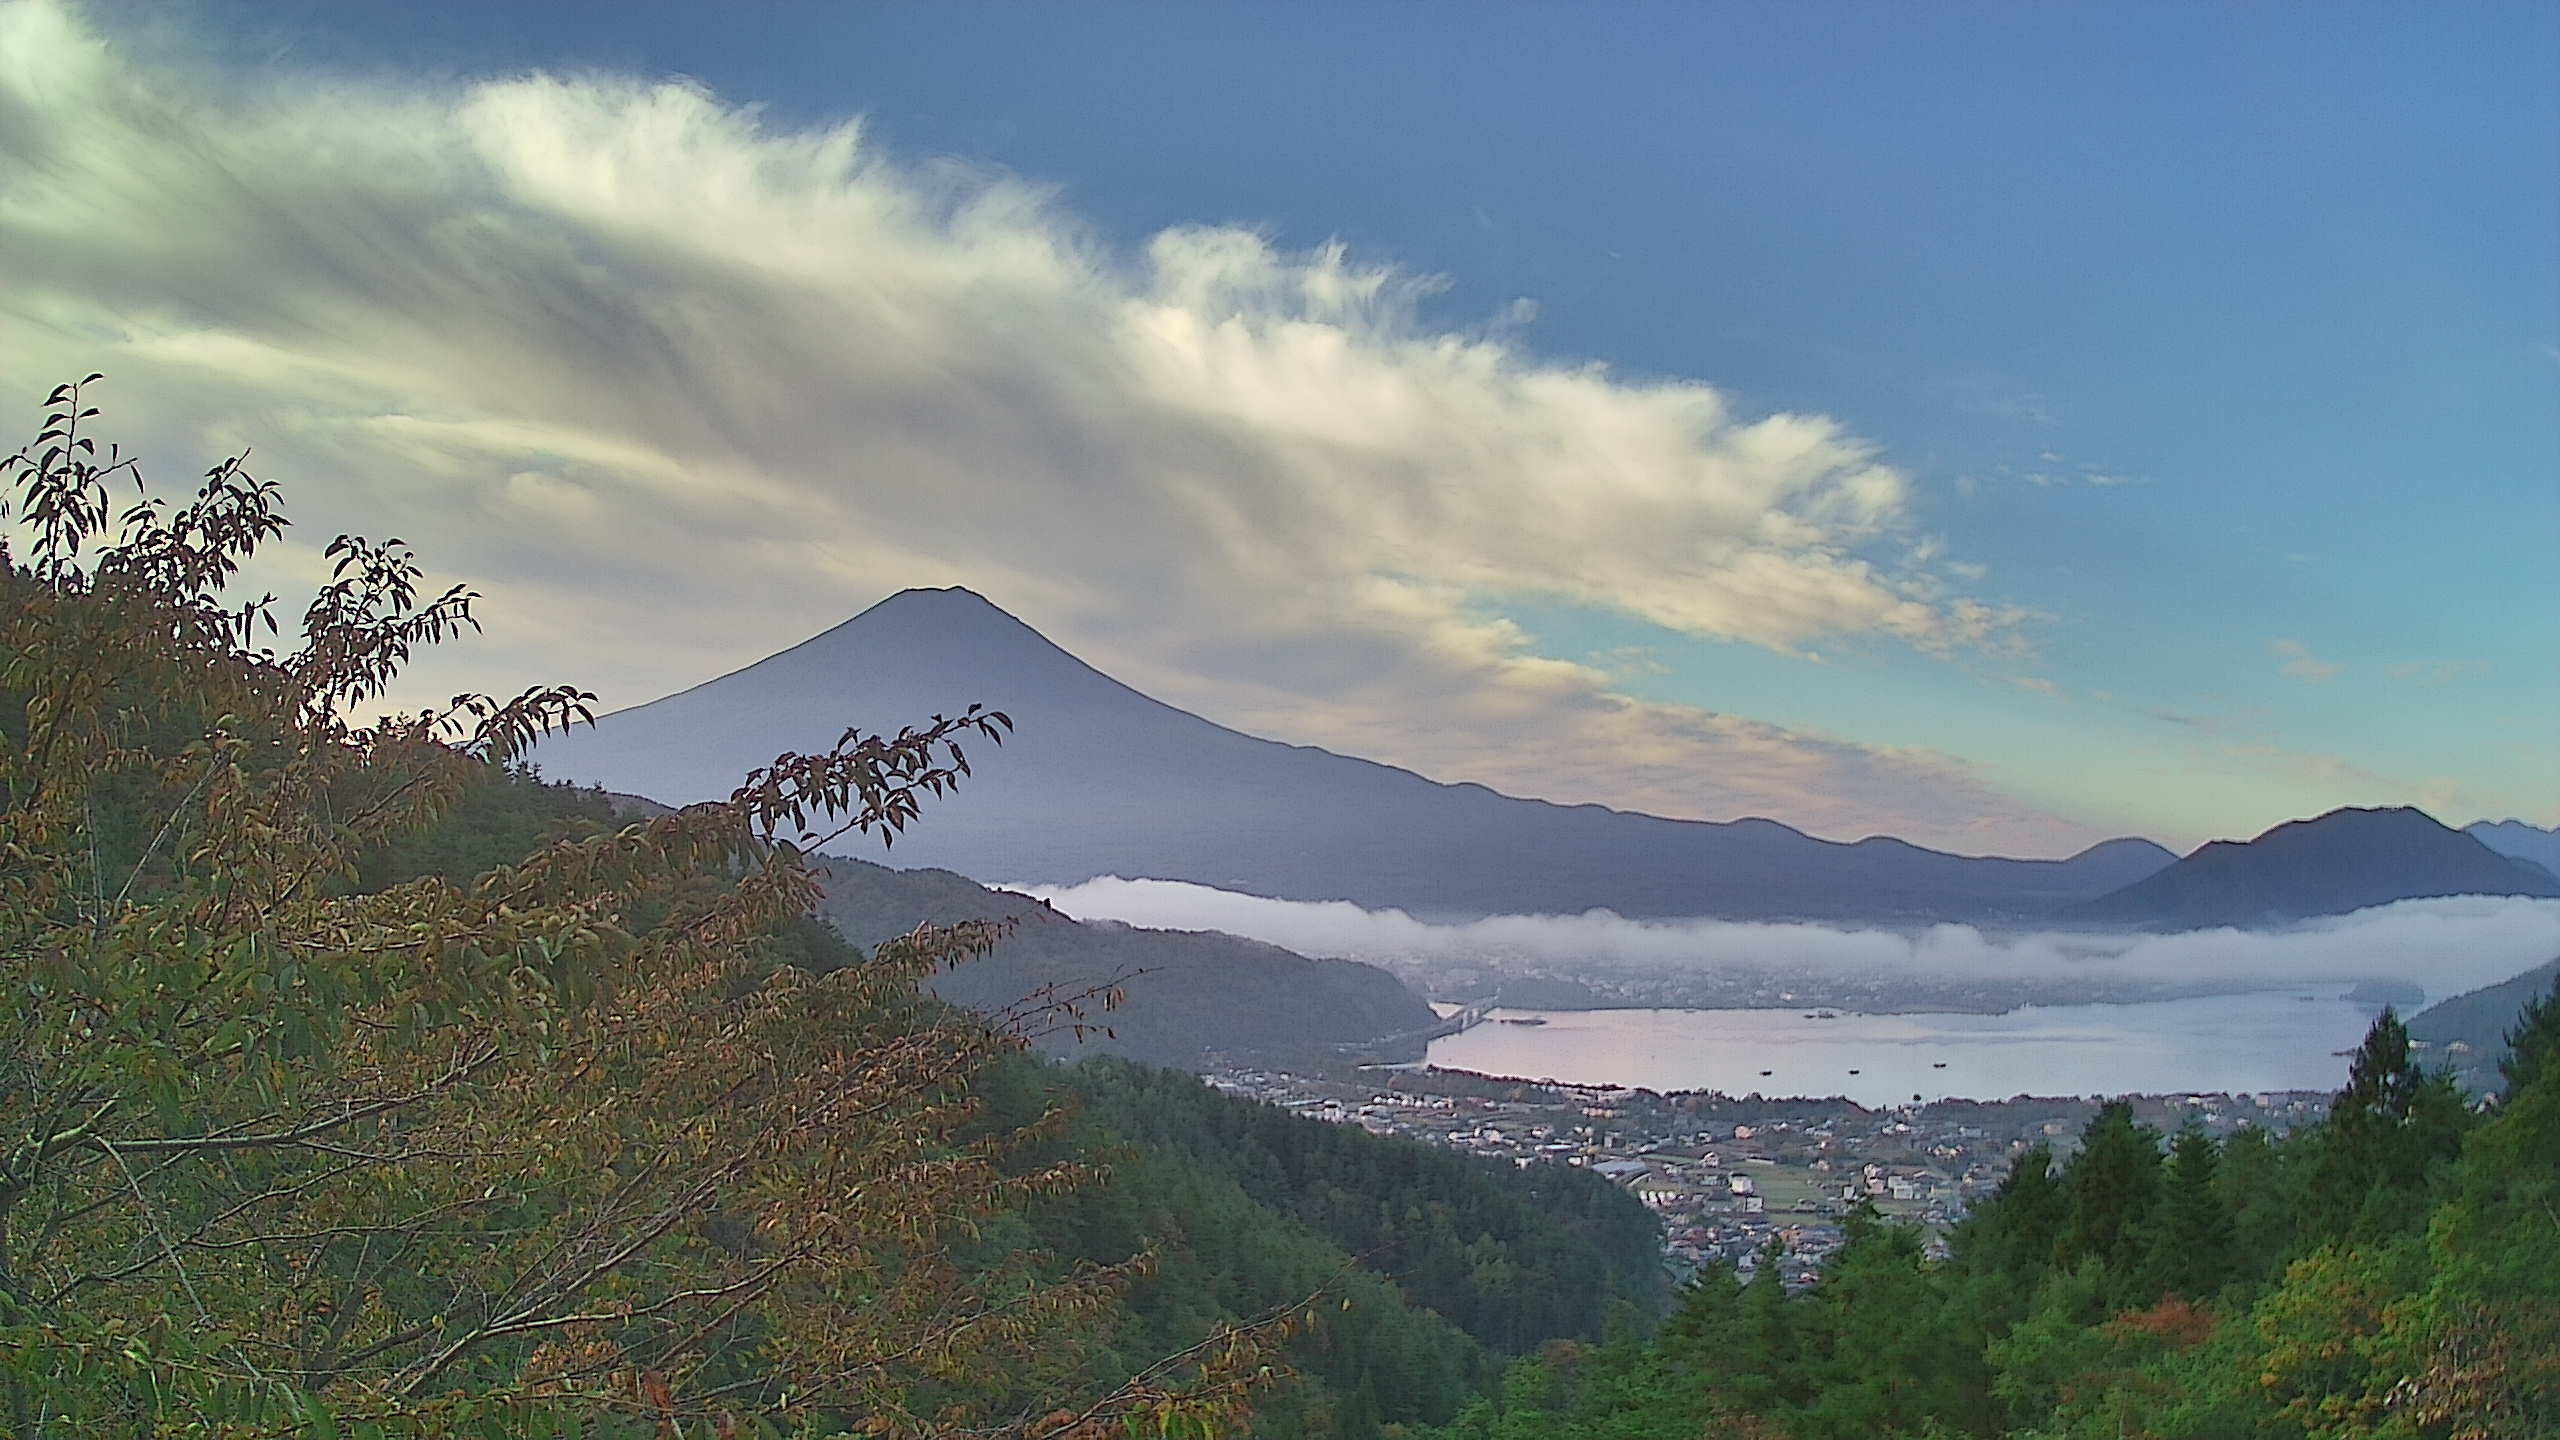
[(1937, 1064), (1524, 1020)]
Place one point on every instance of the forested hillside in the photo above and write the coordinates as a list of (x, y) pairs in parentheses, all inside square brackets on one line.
[(2391, 1272), (1513, 1257), (1182, 995), (1435, 1267), (2468, 1032)]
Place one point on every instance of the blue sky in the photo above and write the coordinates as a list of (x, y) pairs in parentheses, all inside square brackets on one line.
[(2218, 348)]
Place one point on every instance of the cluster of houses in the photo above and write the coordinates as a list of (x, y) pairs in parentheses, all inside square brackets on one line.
[(1729, 1175)]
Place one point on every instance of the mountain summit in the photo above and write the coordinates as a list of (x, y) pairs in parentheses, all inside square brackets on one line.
[(1099, 779), (2517, 839), (2345, 860)]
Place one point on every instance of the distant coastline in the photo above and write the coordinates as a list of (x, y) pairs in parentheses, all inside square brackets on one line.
[(2365, 993), (2246, 1042)]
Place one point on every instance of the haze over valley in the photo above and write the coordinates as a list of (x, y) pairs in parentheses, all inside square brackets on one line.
[(2438, 946)]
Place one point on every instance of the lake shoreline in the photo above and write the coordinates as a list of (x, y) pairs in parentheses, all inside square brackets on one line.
[(1953, 1008), (1425, 1067), (2249, 1042)]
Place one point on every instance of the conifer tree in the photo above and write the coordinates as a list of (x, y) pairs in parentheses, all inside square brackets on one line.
[(2533, 1044), (2393, 1125), (2011, 1235), (2113, 1190), (2192, 1253), (1773, 1368), (2258, 1181), (2382, 1082)]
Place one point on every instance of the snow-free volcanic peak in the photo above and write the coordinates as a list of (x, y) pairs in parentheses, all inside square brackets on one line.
[(1098, 779)]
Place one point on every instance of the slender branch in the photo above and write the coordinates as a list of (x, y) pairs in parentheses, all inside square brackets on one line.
[(176, 812), (300, 1134)]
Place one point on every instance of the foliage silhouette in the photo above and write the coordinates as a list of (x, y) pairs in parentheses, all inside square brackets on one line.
[(315, 1113)]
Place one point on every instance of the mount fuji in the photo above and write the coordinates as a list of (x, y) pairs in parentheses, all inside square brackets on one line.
[(1099, 779)]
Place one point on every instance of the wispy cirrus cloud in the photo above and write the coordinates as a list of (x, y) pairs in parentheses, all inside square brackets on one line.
[(2053, 470), (2247, 742), (676, 386), (2301, 664), (2434, 672)]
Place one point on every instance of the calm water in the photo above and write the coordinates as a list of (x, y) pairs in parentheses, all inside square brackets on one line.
[(2225, 1042)]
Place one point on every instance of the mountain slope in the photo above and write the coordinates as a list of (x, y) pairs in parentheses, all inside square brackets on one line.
[(2469, 1031), (2342, 861), (1101, 780), (1184, 994), (1440, 1222), (1435, 1264), (2521, 841)]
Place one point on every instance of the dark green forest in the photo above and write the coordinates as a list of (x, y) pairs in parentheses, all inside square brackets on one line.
[(2391, 1272)]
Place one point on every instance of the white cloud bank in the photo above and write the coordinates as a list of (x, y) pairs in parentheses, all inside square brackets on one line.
[(2444, 946), (677, 387)]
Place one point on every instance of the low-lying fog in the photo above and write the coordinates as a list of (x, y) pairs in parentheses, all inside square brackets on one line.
[(2444, 946)]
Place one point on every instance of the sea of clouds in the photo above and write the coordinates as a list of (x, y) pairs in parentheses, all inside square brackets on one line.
[(2444, 946)]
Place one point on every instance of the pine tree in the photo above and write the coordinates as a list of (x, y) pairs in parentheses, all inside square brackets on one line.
[(1702, 1312), (1894, 1354), (2393, 1125), (2533, 1046), (2113, 1187), (2011, 1235), (2383, 1081), (2193, 1252), (1773, 1366)]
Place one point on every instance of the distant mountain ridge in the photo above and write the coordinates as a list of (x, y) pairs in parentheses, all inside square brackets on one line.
[(2521, 841), (2346, 860), (1102, 780)]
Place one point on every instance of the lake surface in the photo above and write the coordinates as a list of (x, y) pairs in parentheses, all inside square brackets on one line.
[(2236, 1043)]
